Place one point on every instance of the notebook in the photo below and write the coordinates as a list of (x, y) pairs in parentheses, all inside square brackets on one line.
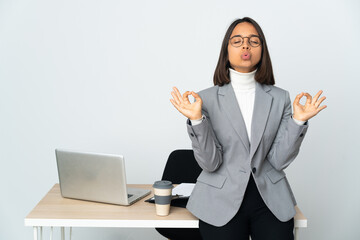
[(95, 177)]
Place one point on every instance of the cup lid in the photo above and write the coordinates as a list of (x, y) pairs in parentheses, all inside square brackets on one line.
[(163, 184)]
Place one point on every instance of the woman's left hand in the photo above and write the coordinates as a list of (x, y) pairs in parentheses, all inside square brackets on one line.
[(311, 107)]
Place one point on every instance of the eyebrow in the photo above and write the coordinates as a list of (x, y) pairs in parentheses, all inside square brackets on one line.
[(251, 35)]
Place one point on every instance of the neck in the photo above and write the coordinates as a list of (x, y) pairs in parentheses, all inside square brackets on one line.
[(242, 81)]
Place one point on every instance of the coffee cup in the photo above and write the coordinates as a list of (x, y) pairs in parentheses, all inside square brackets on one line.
[(162, 192)]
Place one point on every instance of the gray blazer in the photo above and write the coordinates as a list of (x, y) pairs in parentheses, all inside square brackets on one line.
[(222, 149)]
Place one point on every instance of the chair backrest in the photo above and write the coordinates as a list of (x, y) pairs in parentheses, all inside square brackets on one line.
[(181, 167)]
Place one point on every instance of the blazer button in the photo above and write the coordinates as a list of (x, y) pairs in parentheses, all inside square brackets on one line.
[(254, 170), (192, 134), (301, 135)]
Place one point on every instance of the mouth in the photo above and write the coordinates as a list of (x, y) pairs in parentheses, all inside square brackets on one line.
[(245, 56)]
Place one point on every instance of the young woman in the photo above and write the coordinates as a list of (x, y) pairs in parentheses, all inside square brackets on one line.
[(244, 135)]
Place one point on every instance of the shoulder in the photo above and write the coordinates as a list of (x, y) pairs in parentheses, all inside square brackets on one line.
[(208, 96), (279, 94), (277, 90), (209, 92)]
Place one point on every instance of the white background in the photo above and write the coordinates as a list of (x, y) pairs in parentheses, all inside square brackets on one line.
[(97, 75)]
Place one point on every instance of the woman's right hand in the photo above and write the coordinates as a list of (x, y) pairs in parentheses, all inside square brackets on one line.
[(183, 105)]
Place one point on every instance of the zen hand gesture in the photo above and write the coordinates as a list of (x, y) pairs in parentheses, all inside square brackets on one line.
[(183, 105), (311, 107)]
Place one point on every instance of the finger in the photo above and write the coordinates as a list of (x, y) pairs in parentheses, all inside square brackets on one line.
[(317, 96), (321, 108), (297, 99), (178, 94), (320, 101), (308, 98), (196, 96), (176, 99), (185, 97), (175, 105)]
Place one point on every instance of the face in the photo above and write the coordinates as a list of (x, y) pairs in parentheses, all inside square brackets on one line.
[(244, 58)]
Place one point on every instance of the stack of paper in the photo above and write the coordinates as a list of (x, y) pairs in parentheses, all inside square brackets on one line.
[(183, 189)]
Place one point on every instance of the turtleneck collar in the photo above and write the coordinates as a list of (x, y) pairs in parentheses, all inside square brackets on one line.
[(242, 81)]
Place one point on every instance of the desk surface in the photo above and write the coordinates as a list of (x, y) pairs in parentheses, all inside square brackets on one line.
[(54, 210)]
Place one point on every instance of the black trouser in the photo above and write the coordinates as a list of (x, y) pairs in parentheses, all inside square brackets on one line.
[(253, 219)]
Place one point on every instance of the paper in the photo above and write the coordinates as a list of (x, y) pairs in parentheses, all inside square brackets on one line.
[(183, 189)]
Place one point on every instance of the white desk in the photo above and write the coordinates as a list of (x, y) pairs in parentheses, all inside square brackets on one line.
[(55, 211)]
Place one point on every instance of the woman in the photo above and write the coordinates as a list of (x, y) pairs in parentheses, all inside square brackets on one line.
[(244, 135)]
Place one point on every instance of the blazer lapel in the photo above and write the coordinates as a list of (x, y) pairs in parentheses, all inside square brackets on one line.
[(262, 106), (232, 110)]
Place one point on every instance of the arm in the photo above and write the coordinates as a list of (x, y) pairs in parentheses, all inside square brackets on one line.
[(288, 139), (207, 149)]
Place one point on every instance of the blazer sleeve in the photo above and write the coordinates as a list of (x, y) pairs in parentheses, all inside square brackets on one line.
[(207, 149), (288, 139)]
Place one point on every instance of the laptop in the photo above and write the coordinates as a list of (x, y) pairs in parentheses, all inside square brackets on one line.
[(95, 177)]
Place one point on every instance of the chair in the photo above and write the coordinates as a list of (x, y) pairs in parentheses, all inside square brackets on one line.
[(181, 167)]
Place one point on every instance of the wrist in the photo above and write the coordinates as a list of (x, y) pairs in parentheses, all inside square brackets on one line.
[(298, 118), (196, 118)]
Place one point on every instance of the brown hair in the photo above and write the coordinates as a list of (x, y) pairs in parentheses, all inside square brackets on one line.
[(264, 73)]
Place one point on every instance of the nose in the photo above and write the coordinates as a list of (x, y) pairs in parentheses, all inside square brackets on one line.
[(246, 44)]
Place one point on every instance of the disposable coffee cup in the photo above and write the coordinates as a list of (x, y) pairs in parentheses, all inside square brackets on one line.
[(162, 192)]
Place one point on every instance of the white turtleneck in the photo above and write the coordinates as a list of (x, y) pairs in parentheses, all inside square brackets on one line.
[(244, 88)]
